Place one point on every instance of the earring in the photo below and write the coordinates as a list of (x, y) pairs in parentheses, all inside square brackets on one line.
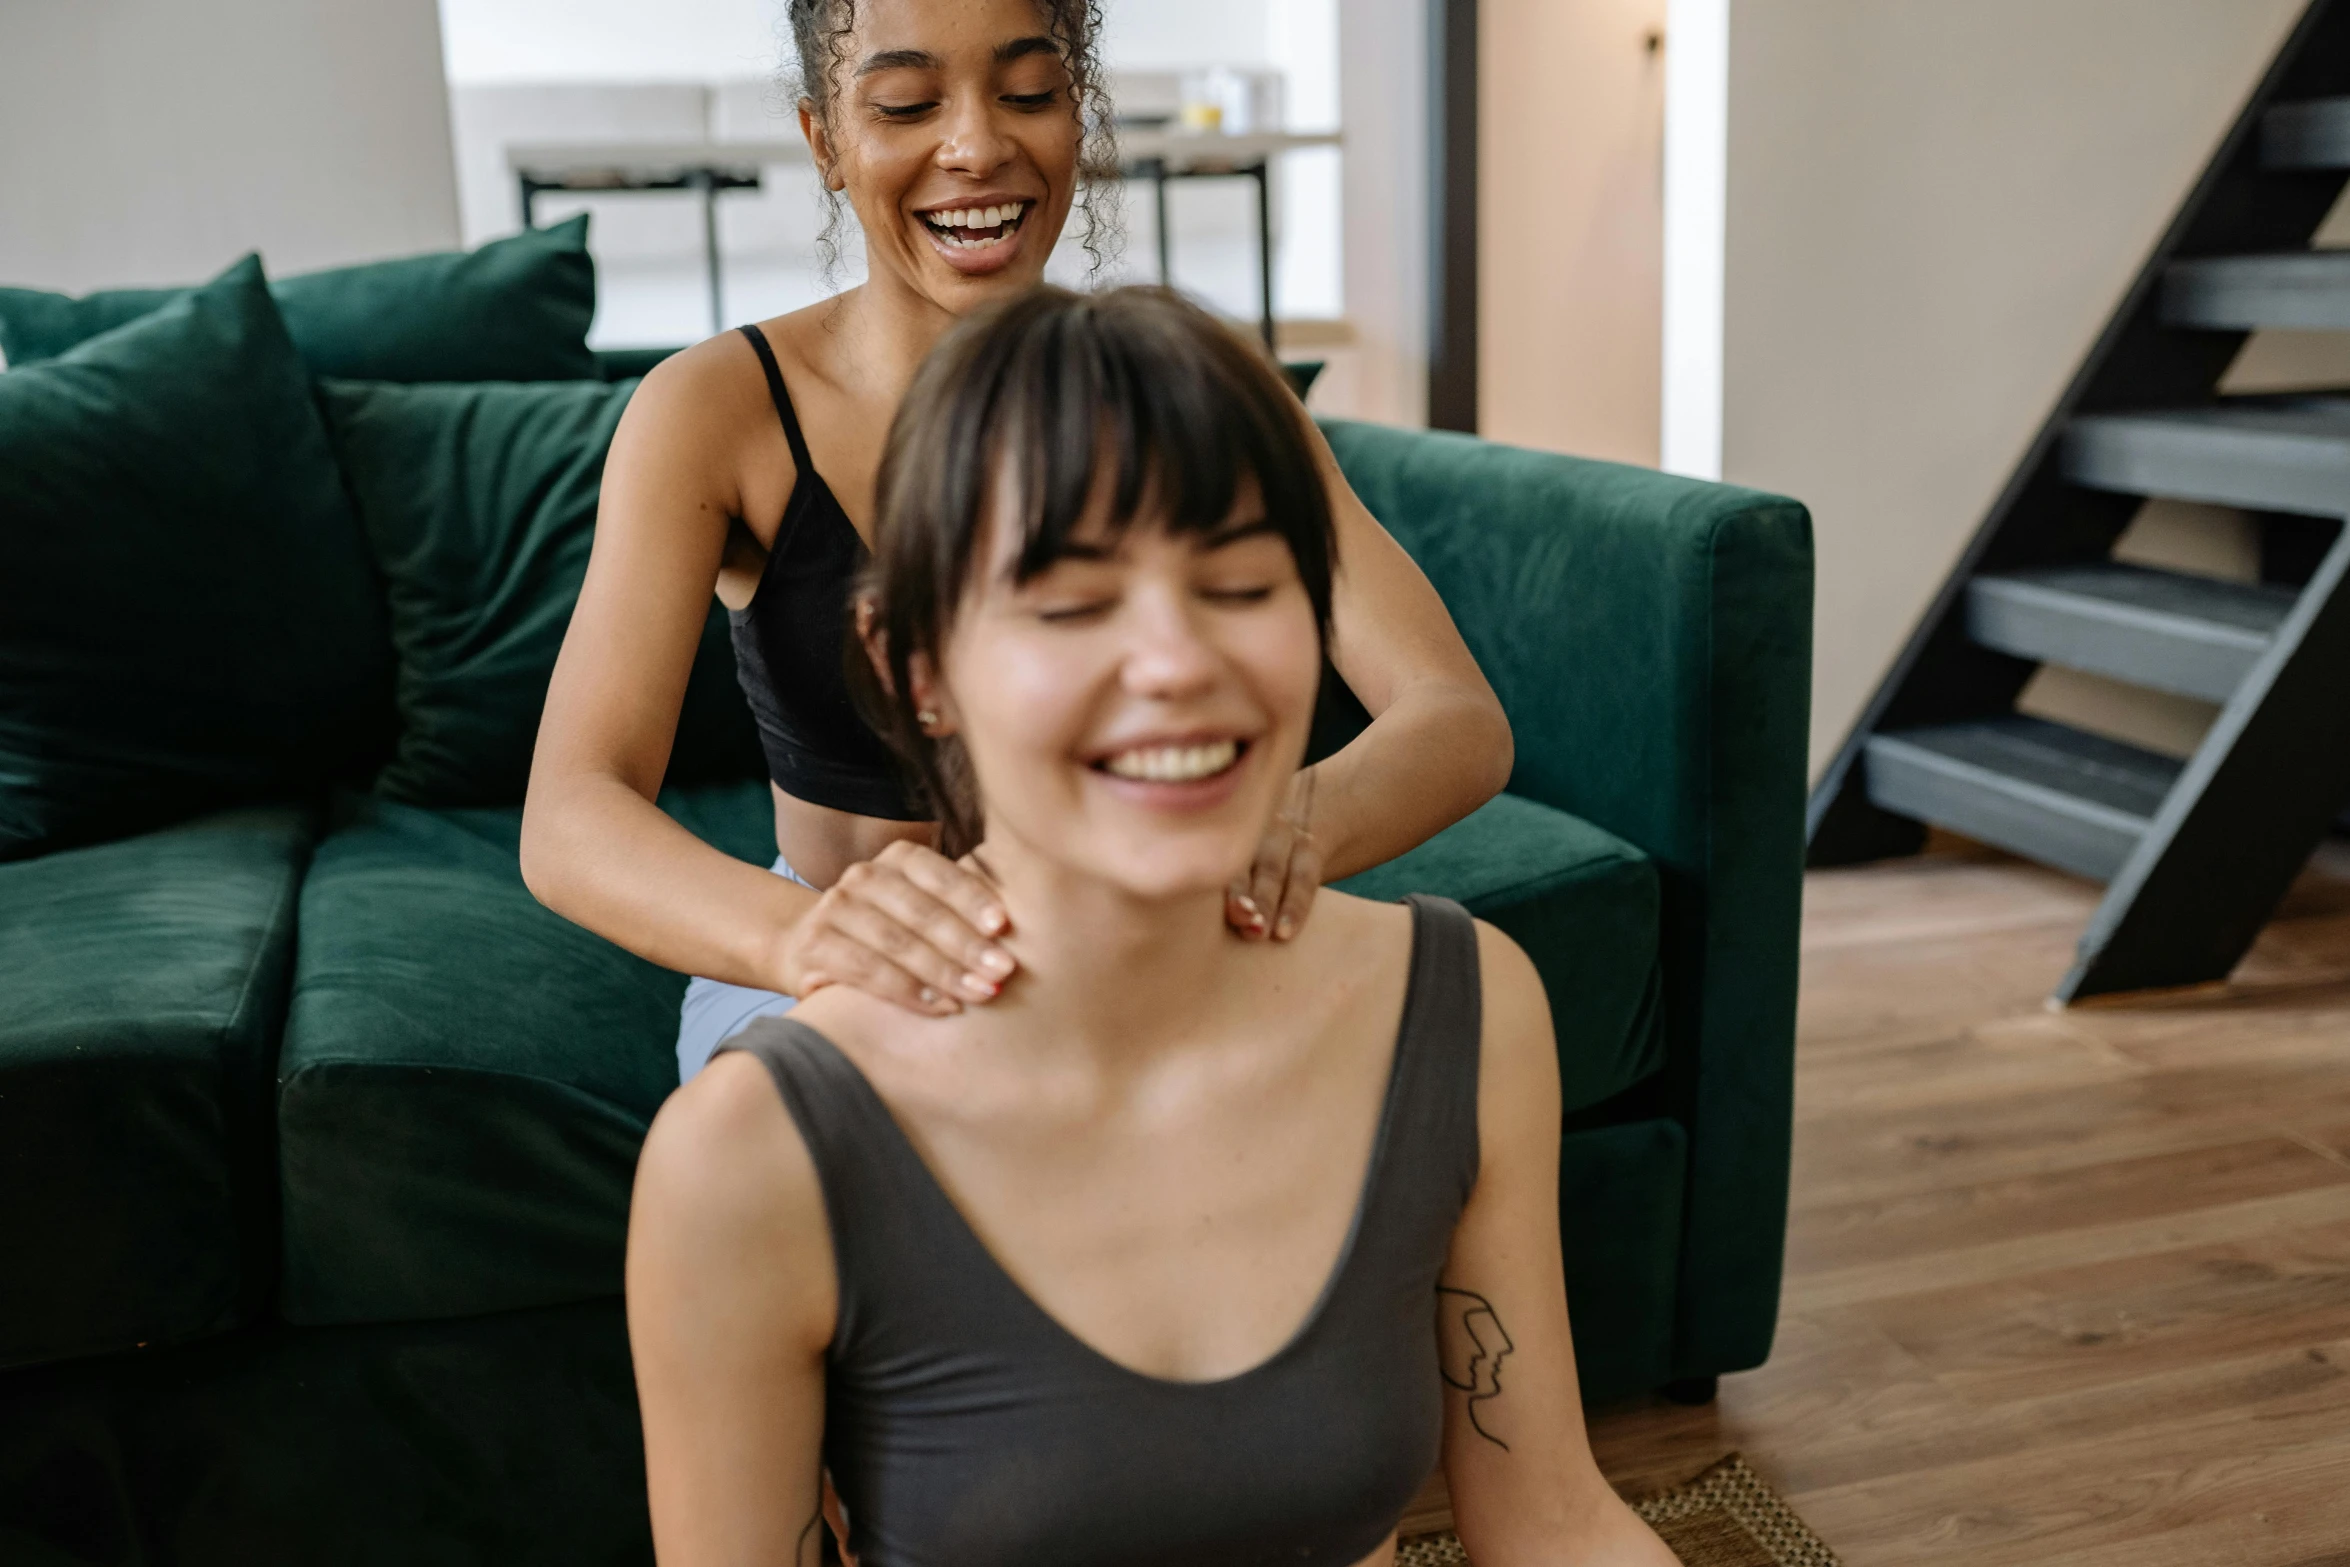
[(926, 718)]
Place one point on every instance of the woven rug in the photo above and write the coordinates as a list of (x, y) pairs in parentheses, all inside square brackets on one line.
[(1726, 1517)]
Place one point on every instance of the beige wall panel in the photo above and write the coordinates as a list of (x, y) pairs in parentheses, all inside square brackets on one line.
[(1932, 209), (1571, 244)]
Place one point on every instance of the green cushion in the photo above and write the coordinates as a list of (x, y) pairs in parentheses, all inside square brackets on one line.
[(626, 364), (517, 309), (188, 615), (503, 1441), (466, 1076), (480, 504), (1582, 902), (142, 984)]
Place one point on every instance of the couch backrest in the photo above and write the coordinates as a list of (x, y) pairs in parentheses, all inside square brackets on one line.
[(479, 503), (1596, 597)]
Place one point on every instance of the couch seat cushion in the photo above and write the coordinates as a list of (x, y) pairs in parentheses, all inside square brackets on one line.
[(1582, 902), (517, 309), (480, 506), (188, 616), (466, 1076), (142, 985)]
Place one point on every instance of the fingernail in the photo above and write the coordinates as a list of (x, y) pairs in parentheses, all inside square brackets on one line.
[(995, 963), (1250, 904), (929, 996), (979, 987), (1286, 929), (992, 920)]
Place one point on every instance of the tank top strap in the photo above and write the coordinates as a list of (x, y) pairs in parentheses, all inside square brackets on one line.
[(885, 1210), (781, 395), (1432, 1142)]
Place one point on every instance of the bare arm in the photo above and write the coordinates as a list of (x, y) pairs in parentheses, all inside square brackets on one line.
[(731, 1298), (595, 846), (1525, 1490), (1437, 746)]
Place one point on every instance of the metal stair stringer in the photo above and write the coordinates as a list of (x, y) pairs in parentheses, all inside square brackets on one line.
[(2195, 853), (2186, 904)]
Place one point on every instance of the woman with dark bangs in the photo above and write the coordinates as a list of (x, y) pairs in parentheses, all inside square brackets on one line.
[(961, 134), (1186, 1249)]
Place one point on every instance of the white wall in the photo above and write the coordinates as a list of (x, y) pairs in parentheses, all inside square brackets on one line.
[(1695, 182), (154, 141), (1932, 209), (501, 51), (1383, 97), (1570, 225), (1155, 34), (610, 40)]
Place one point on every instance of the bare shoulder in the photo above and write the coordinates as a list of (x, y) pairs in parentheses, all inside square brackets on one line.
[(728, 1200), (1519, 1077), (1361, 927), (907, 1058), (700, 402), (1514, 997), (857, 1023), (716, 373)]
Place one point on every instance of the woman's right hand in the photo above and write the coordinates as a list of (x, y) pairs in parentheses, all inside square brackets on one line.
[(909, 926)]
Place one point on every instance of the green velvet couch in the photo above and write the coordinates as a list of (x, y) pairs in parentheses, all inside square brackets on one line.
[(316, 1131)]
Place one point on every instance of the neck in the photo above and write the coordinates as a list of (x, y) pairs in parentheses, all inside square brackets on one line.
[(883, 330), (1102, 970)]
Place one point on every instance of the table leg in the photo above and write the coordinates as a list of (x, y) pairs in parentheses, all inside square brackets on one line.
[(1263, 173), (1166, 240), (530, 200), (707, 183)]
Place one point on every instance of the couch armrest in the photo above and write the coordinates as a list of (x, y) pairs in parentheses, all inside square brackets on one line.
[(1650, 638)]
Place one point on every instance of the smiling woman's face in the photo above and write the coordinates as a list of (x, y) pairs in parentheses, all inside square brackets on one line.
[(1135, 711), (953, 131)]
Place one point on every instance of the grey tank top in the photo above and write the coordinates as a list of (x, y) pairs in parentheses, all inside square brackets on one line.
[(965, 1427)]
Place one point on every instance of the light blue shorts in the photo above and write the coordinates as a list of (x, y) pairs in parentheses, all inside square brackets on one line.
[(714, 1012)]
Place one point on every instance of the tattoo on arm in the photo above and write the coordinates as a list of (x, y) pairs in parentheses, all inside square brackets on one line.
[(1471, 1346), (811, 1533)]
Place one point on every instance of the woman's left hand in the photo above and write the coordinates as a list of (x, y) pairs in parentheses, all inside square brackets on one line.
[(1272, 898)]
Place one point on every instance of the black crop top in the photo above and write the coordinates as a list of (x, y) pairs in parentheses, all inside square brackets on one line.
[(965, 1427), (791, 641)]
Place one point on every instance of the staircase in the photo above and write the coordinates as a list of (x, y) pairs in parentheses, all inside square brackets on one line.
[(2194, 854)]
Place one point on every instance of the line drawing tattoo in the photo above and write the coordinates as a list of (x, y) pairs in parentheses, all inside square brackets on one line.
[(799, 1548), (1471, 1345)]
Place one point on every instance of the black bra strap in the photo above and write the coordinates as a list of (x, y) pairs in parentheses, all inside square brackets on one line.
[(783, 407)]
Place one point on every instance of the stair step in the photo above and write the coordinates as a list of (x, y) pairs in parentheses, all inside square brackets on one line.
[(2312, 134), (2269, 456), (2307, 290), (2195, 636), (2048, 792)]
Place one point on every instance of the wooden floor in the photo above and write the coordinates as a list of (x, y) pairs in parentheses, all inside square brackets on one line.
[(2063, 1288)]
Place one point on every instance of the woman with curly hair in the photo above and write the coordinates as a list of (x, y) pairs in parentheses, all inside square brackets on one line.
[(961, 134)]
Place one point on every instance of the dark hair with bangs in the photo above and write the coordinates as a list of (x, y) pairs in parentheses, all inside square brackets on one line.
[(1058, 391)]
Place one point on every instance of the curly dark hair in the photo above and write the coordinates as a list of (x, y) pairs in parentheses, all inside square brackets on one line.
[(819, 47)]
